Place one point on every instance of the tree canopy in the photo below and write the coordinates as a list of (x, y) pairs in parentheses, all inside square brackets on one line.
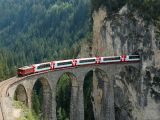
[(34, 31), (148, 9)]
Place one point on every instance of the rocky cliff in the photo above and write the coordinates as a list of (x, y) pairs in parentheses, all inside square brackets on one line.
[(136, 92)]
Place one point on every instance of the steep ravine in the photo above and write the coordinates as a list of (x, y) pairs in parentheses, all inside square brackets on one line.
[(136, 92)]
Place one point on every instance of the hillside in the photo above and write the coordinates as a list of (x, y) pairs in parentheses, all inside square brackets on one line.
[(127, 27), (33, 31), (44, 30)]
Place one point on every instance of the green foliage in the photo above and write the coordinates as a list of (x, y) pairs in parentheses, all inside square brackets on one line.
[(87, 90), (148, 9), (40, 30), (5, 63), (37, 99), (63, 94), (27, 114), (36, 103), (61, 114), (111, 5)]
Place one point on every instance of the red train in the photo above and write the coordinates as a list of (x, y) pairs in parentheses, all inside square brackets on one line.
[(55, 65)]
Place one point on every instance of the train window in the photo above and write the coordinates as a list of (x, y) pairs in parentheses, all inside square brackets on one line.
[(64, 63), (113, 58), (84, 61), (43, 66), (19, 70), (134, 57)]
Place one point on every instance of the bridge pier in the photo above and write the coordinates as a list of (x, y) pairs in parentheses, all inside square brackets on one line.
[(108, 102), (103, 95), (76, 105), (47, 100), (53, 105)]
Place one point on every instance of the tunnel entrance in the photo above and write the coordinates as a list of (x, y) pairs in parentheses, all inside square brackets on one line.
[(87, 93), (21, 95), (42, 99), (63, 97)]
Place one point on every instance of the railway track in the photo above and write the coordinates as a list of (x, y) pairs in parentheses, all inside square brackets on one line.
[(3, 87), (2, 84)]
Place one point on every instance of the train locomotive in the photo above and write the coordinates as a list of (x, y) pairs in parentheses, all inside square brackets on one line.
[(64, 64)]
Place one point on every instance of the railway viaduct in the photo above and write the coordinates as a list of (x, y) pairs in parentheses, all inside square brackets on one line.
[(23, 87)]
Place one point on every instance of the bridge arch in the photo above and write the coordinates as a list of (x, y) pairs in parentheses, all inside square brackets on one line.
[(42, 98), (72, 76), (65, 92), (99, 94), (87, 96), (20, 94)]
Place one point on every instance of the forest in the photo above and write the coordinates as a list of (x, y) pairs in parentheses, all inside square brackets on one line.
[(34, 31), (149, 10)]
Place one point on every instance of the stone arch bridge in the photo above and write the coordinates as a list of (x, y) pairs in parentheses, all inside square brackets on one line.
[(22, 88)]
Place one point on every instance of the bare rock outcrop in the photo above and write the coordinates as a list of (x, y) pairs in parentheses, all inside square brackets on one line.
[(136, 92)]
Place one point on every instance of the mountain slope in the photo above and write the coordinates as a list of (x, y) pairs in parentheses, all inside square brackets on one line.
[(40, 30), (134, 28)]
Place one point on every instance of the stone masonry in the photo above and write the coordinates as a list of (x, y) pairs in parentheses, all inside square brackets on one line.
[(103, 108)]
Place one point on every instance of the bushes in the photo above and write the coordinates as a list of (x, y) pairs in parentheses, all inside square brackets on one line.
[(26, 113)]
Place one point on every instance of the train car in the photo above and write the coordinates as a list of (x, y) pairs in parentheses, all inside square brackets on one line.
[(110, 59), (64, 63), (43, 67), (87, 61), (26, 70), (133, 58)]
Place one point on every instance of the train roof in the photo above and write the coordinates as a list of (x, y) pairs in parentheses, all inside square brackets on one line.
[(25, 67), (86, 58), (64, 60), (42, 63), (110, 56)]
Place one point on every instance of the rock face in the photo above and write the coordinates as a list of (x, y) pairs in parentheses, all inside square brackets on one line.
[(136, 92)]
